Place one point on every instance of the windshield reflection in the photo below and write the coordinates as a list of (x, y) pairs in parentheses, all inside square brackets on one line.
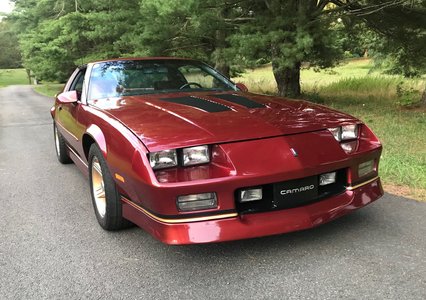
[(138, 77)]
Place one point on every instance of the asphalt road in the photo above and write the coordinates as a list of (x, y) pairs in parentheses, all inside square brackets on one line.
[(52, 247)]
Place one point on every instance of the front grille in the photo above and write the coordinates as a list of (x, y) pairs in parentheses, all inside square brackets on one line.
[(273, 200)]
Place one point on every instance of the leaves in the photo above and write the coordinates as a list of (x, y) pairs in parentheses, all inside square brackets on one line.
[(57, 35), (10, 56)]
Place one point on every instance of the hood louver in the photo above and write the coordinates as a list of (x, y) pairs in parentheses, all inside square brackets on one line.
[(203, 104)]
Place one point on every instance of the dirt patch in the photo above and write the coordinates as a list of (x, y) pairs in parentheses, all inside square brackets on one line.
[(405, 191)]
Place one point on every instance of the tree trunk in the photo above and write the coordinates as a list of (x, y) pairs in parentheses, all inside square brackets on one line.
[(28, 75), (365, 55), (220, 63), (288, 80), (423, 100), (222, 67)]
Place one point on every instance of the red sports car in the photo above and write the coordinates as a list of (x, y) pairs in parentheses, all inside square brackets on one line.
[(180, 150)]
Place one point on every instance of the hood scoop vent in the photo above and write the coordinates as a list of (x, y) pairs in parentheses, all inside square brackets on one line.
[(240, 100), (203, 104)]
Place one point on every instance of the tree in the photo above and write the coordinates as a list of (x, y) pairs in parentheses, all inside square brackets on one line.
[(403, 38), (54, 42), (10, 56), (189, 28), (289, 33), (56, 35)]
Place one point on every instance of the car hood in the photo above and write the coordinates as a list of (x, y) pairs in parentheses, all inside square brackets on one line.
[(168, 121)]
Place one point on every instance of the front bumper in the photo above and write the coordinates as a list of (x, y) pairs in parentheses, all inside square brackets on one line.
[(232, 226)]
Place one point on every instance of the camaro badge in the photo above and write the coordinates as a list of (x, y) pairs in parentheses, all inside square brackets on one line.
[(298, 190), (294, 152)]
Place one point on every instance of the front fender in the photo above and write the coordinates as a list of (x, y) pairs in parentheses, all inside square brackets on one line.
[(52, 111), (98, 136)]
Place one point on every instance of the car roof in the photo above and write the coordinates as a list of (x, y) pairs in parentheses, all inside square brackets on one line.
[(143, 58)]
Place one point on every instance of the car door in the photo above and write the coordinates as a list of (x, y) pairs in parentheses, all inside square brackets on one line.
[(67, 113)]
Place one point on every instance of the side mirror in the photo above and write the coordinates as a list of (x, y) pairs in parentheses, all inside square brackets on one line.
[(242, 87), (68, 97)]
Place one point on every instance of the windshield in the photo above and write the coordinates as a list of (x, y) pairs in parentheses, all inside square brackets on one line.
[(139, 77)]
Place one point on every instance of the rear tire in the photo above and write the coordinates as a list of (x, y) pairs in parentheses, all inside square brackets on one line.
[(60, 147), (105, 197)]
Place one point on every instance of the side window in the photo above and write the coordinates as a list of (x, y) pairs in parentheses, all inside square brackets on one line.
[(77, 84)]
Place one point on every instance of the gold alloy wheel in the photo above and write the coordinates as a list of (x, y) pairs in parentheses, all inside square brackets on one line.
[(58, 150), (98, 187)]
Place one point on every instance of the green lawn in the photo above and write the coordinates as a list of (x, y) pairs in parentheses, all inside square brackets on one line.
[(19, 77), (261, 80), (12, 77), (372, 97), (49, 89)]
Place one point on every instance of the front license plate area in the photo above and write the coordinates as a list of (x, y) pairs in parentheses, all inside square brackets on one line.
[(294, 193)]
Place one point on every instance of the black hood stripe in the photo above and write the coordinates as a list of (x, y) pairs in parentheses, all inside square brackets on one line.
[(206, 105), (240, 100)]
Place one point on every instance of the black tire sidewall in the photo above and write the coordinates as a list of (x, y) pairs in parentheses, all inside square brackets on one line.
[(62, 156), (112, 219)]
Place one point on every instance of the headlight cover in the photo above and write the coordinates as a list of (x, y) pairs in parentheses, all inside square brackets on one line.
[(345, 132), (163, 159), (349, 132), (195, 155)]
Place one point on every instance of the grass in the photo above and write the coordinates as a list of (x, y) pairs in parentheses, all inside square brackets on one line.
[(49, 89), (374, 98), (12, 77), (261, 80), (19, 77)]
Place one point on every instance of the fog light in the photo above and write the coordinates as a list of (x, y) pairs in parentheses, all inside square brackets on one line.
[(327, 178), (197, 202), (251, 195), (365, 168)]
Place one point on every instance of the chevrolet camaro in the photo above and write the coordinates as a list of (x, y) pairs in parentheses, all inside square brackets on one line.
[(173, 146)]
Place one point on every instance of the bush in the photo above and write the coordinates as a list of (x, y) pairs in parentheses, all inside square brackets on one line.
[(407, 96)]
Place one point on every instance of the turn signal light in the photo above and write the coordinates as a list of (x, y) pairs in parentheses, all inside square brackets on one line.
[(366, 168)]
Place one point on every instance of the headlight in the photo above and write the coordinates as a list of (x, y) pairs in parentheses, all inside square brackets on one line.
[(195, 155), (336, 132), (345, 132), (349, 132), (163, 159)]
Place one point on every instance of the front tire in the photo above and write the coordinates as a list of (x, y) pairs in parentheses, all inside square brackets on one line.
[(60, 147), (105, 197)]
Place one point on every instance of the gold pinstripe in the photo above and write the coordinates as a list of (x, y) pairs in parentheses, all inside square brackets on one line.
[(176, 221), (351, 188)]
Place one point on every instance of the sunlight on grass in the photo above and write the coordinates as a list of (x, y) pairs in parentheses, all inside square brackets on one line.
[(49, 89), (261, 80), (13, 77)]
